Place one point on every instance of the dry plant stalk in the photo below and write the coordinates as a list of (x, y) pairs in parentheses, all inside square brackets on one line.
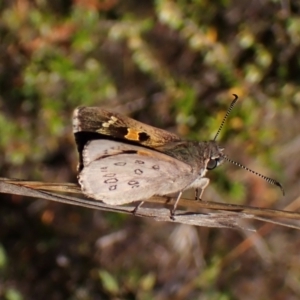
[(215, 214)]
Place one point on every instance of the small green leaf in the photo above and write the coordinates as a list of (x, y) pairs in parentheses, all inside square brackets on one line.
[(12, 294), (108, 281)]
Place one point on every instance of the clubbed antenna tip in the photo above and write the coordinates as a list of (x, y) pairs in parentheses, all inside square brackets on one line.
[(280, 186)]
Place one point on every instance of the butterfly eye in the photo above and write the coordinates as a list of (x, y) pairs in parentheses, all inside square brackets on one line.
[(212, 163)]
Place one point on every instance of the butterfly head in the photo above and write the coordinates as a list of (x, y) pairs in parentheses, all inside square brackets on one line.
[(215, 155)]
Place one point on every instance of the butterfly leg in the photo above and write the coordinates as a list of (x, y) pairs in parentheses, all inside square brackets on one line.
[(201, 193), (172, 211), (137, 207), (199, 185)]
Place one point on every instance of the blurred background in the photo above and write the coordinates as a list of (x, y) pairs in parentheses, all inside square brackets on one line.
[(174, 65)]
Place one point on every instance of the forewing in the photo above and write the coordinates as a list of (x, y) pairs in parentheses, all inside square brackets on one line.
[(117, 173), (111, 124)]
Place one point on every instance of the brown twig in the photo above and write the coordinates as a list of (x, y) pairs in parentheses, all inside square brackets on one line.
[(223, 215)]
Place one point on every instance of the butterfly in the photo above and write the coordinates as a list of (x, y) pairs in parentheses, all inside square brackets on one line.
[(122, 160)]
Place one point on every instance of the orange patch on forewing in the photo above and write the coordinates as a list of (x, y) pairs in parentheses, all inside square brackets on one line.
[(132, 134)]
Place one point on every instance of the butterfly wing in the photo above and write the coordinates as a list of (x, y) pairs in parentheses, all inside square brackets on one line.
[(118, 173), (112, 124)]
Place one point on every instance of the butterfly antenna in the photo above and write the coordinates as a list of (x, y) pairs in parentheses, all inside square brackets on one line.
[(270, 180), (227, 114)]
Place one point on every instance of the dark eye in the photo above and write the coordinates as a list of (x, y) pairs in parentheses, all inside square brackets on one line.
[(213, 163)]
